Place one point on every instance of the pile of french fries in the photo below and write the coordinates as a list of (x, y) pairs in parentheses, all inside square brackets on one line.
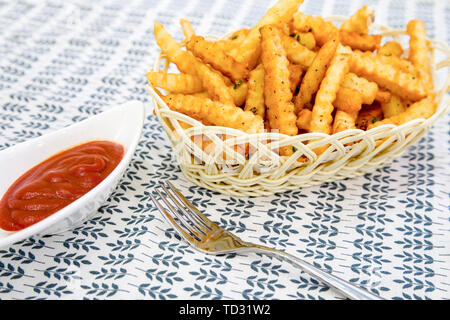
[(295, 73)]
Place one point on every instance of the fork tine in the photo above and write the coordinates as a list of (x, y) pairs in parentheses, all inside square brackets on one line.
[(181, 220), (194, 221), (185, 233), (193, 210)]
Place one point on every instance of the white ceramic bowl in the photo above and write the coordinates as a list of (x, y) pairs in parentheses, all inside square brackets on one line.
[(122, 124)]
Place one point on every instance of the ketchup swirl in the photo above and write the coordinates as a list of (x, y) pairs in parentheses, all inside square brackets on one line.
[(57, 182)]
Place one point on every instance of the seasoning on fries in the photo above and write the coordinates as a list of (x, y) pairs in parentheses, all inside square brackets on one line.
[(298, 73)]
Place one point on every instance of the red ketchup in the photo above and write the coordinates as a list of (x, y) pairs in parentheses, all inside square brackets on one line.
[(57, 182)]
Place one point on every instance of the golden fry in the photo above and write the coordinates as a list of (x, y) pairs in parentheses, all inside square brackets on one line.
[(237, 92), (296, 52), (295, 76), (304, 120), (366, 88), (344, 121), (214, 84), (391, 48), (348, 100), (300, 22), (369, 115), (419, 51), (393, 107), (175, 82), (322, 30), (239, 35), (360, 21), (233, 41), (421, 109), (323, 107), (402, 65), (277, 92), (281, 12), (184, 60), (187, 63), (188, 30), (250, 49), (208, 52), (363, 42), (255, 94), (214, 112), (383, 96), (306, 39), (371, 67), (348, 104), (314, 75)]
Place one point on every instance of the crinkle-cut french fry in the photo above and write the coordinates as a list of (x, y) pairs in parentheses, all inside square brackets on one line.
[(225, 79), (306, 39), (368, 115), (295, 76), (214, 112), (419, 51), (348, 103), (360, 21), (237, 92), (393, 107), (250, 49), (391, 48), (255, 94), (348, 100), (277, 92), (285, 27), (214, 84), (188, 30), (184, 60), (344, 120), (300, 22), (322, 30), (383, 96), (424, 108), (233, 41), (239, 34), (363, 42), (296, 52), (371, 67), (366, 88), (176, 82), (304, 120), (281, 12), (400, 64), (314, 75), (208, 52), (322, 118), (323, 107)]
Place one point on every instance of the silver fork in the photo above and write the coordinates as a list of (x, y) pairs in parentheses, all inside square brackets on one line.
[(207, 237)]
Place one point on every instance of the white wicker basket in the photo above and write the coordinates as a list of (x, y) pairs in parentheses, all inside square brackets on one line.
[(350, 153)]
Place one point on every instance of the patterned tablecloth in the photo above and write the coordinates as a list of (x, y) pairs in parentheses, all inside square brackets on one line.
[(62, 62)]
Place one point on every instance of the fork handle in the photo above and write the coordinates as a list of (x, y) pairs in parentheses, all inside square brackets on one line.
[(349, 290)]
